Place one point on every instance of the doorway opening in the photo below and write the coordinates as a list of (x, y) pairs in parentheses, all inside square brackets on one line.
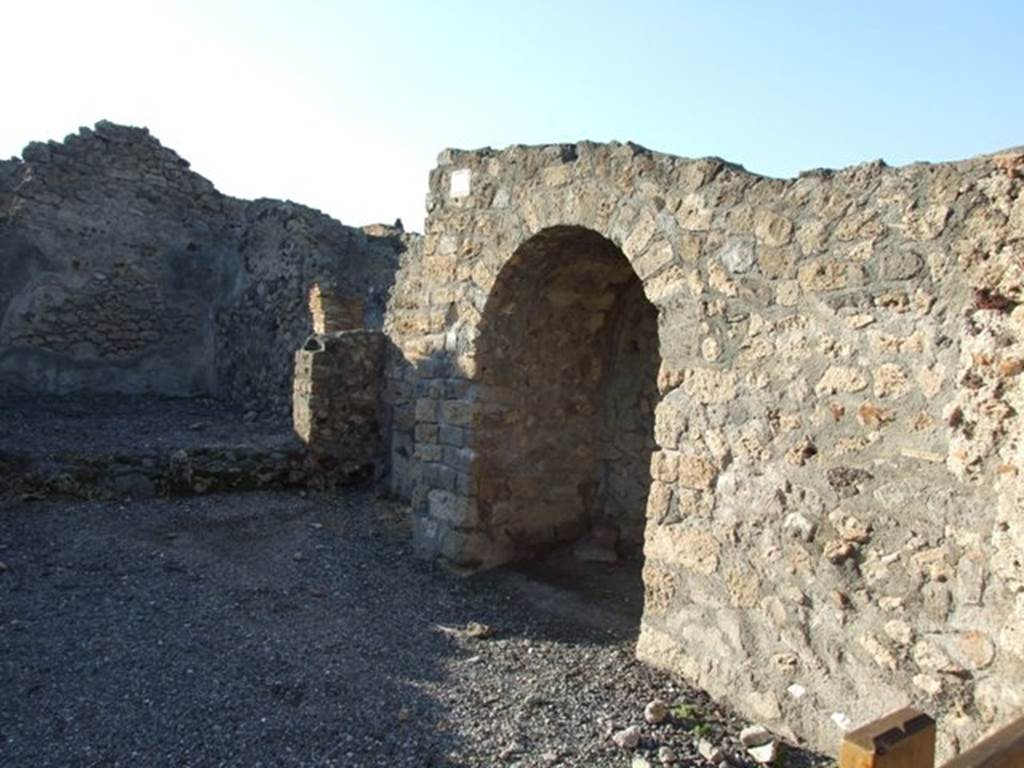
[(567, 359)]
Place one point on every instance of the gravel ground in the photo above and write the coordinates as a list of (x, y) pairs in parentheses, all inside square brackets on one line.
[(47, 426), (272, 629)]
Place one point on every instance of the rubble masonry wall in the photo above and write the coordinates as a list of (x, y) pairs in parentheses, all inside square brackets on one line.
[(834, 522), (122, 270)]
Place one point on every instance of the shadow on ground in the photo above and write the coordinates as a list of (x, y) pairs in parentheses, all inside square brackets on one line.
[(270, 629), (241, 630)]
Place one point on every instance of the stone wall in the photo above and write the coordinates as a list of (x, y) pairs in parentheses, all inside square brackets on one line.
[(834, 523), (332, 311), (284, 251), (409, 364), (336, 402), (803, 395), (629, 395), (121, 270)]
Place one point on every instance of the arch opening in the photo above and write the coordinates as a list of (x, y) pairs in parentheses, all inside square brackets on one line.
[(567, 360)]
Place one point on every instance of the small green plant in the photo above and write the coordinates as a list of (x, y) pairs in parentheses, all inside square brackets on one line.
[(686, 712), (691, 718)]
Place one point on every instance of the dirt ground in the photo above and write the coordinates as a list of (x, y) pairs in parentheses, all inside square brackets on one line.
[(282, 629)]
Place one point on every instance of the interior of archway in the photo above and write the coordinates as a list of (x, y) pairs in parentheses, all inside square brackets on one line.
[(568, 361)]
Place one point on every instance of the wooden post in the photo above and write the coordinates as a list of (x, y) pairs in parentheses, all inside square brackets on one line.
[(1003, 749), (904, 739)]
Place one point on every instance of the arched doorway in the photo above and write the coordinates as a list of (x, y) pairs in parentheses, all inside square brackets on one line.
[(567, 363)]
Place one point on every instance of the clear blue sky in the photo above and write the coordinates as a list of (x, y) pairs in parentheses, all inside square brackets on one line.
[(344, 105)]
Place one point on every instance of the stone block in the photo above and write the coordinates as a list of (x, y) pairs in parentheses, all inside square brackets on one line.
[(454, 510), (426, 410), (458, 413)]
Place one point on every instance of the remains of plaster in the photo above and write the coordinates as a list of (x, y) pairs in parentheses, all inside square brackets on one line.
[(121, 270)]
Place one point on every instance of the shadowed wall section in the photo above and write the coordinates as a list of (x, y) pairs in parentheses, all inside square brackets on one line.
[(567, 363), (122, 270)]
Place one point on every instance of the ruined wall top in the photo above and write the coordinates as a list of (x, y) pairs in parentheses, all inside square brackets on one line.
[(481, 181), (121, 269), (112, 161)]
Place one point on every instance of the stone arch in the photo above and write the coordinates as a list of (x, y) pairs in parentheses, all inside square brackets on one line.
[(787, 310), (566, 368)]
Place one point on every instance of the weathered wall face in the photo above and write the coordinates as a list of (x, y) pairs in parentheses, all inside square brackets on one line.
[(336, 401), (105, 273), (284, 250), (123, 271), (628, 398), (556, 447), (834, 522)]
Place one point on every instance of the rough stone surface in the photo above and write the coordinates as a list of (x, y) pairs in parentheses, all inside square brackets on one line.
[(833, 401), (336, 399), (798, 400), (656, 711), (122, 270), (627, 738), (755, 736)]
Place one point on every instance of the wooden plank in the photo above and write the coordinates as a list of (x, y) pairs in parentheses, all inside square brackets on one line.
[(1003, 749), (904, 739)]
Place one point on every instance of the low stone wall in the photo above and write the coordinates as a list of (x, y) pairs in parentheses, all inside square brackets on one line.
[(834, 520), (336, 403), (141, 474)]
